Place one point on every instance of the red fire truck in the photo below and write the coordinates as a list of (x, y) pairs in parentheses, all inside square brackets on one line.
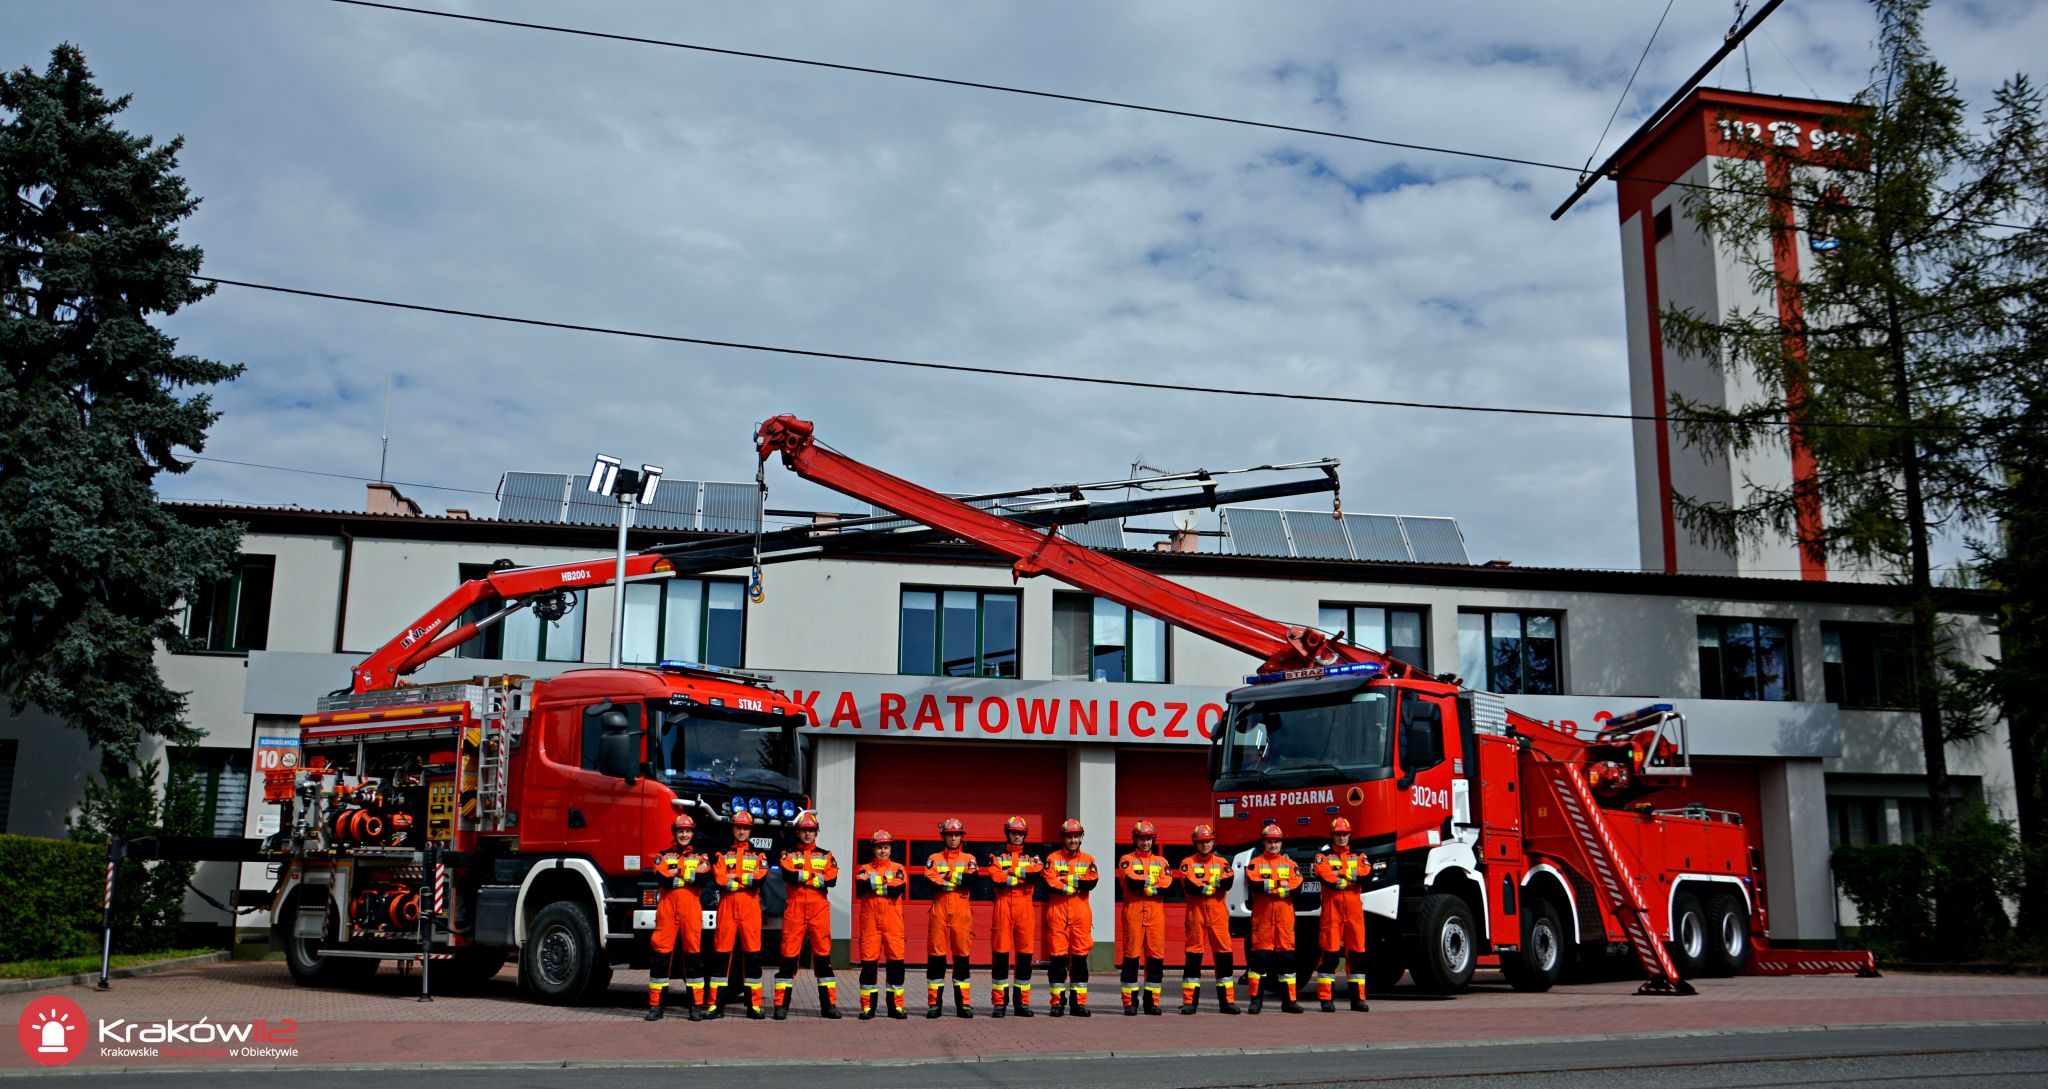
[(1489, 832)]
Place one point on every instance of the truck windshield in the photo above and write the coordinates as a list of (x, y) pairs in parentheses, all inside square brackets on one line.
[(713, 745), (1337, 738)]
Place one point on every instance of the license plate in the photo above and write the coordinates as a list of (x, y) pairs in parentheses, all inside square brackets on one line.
[(1312, 886)]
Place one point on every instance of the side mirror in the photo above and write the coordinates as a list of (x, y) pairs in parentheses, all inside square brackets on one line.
[(1405, 781), (618, 748)]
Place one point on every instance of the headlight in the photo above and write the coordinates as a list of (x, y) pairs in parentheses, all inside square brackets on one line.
[(788, 810), (754, 807)]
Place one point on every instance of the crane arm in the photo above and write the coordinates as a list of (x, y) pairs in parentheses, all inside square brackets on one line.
[(1278, 645), (439, 632)]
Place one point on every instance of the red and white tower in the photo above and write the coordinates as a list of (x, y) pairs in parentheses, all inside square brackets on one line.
[(1670, 262)]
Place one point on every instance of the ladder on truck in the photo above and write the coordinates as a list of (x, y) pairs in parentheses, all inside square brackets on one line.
[(1610, 873), (502, 719)]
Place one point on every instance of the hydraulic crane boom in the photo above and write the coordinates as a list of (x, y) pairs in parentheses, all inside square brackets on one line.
[(1278, 645)]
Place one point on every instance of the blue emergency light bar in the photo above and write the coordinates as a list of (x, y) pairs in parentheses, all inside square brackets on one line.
[(1637, 714), (1313, 671), (699, 669)]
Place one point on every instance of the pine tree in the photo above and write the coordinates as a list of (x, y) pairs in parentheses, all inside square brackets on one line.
[(1899, 344), (94, 404)]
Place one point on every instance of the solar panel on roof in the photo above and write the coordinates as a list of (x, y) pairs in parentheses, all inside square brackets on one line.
[(1105, 533), (532, 497), (1256, 531), (586, 509), (674, 506), (1377, 537), (730, 507), (1435, 540), (1316, 535)]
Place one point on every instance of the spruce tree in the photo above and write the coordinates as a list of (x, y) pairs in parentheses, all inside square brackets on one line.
[(95, 403)]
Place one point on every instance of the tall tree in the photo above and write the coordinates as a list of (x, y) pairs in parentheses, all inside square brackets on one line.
[(94, 402), (1895, 344)]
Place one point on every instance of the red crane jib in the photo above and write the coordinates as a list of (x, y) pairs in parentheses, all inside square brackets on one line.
[(1279, 646)]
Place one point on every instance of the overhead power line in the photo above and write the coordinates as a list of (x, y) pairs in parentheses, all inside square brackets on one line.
[(1088, 100)]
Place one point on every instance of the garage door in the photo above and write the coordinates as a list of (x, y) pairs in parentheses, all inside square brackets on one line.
[(909, 789), (1170, 788)]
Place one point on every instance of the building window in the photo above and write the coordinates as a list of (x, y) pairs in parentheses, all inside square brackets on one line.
[(958, 633), (222, 778), (1856, 822), (1392, 630), (232, 616), (691, 620), (1866, 665), (1745, 659), (521, 637), (1095, 638), (1511, 651)]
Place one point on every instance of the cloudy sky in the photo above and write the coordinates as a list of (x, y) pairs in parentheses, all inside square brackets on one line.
[(391, 155)]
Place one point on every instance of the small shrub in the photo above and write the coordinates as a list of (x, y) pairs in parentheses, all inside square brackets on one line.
[(52, 903)]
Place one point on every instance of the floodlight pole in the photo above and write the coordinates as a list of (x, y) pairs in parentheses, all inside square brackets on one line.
[(625, 496)]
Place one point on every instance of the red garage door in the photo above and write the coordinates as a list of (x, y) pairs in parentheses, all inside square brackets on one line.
[(909, 789), (1170, 788)]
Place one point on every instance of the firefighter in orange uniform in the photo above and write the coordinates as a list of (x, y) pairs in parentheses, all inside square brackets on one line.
[(1070, 873), (1205, 876), (880, 885), (1145, 877), (679, 920), (1272, 878), (738, 872), (1015, 938), (807, 919), (1342, 925), (950, 931)]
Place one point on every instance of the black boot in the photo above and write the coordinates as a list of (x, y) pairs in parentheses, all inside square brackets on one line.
[(867, 1011), (1358, 1006), (1059, 1006), (895, 1011), (714, 1011), (690, 1007), (1289, 1005), (1188, 1001), (1258, 1001), (782, 996), (997, 1002), (936, 1008), (828, 1008), (1151, 1004), (1130, 1005), (961, 1007), (1329, 1006), (653, 1013)]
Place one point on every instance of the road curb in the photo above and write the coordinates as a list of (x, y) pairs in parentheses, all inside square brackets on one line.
[(948, 1060), (16, 986)]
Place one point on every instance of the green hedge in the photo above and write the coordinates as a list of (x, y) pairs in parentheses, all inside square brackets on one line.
[(1941, 899), (50, 898)]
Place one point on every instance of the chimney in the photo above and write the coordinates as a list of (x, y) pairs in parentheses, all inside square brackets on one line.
[(1184, 540), (387, 499), (458, 512)]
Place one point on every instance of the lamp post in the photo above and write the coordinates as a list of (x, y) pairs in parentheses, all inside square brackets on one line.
[(628, 487)]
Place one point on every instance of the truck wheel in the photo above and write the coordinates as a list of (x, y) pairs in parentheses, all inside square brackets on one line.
[(1539, 963), (1688, 936), (307, 966), (1447, 944), (561, 960), (1727, 935)]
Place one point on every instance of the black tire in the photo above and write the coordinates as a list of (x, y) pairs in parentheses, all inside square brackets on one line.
[(1447, 944), (563, 962), (1727, 935), (308, 967), (1689, 942), (1539, 963)]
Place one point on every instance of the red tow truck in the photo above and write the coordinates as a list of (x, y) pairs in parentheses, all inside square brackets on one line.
[(1490, 833)]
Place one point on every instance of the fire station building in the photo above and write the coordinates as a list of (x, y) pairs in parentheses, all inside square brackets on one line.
[(938, 687)]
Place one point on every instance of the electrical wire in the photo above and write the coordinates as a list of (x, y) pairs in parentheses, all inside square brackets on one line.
[(1086, 100), (1623, 100)]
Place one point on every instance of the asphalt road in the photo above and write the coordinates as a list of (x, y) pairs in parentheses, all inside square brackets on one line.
[(1989, 1056)]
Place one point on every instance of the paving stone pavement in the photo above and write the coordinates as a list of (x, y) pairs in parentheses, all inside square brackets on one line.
[(382, 1022)]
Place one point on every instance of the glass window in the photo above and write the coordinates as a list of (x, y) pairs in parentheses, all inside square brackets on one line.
[(1094, 638), (525, 637), (221, 777), (958, 633), (1393, 630), (1867, 665), (232, 616), (1745, 659), (1340, 737), (1511, 651), (686, 620)]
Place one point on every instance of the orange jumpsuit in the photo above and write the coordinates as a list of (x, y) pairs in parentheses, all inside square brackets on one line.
[(1069, 922), (1207, 918), (950, 929), (807, 913), (1145, 877), (1016, 923), (880, 886), (738, 871), (1342, 929), (679, 919), (1272, 880)]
